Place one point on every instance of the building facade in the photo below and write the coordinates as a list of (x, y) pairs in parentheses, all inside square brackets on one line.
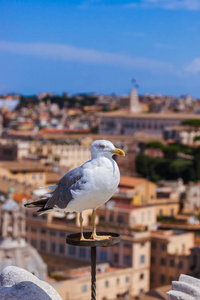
[(128, 123), (170, 256)]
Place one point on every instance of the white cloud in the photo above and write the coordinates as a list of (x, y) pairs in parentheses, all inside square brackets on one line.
[(194, 66), (169, 4), (68, 53)]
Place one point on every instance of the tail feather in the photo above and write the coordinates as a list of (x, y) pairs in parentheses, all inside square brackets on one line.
[(38, 203), (42, 201)]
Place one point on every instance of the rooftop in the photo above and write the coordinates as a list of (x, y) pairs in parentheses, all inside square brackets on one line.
[(130, 181), (21, 166), (127, 114)]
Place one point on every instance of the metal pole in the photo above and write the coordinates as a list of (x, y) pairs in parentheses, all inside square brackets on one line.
[(74, 239), (93, 273)]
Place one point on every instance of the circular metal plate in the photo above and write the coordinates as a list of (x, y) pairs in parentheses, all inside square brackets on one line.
[(74, 239)]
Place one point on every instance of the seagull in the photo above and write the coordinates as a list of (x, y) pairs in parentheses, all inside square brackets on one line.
[(86, 187)]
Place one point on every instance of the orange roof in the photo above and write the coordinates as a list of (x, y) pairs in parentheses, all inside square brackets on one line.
[(53, 130), (22, 165), (131, 181), (20, 197)]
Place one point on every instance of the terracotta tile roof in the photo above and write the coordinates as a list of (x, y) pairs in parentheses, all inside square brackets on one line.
[(20, 197), (127, 114), (131, 181), (53, 130), (20, 166)]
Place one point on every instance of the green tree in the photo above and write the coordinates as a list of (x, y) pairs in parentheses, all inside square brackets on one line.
[(191, 122), (197, 138), (154, 144)]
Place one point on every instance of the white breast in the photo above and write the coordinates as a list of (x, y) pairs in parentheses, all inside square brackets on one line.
[(102, 177)]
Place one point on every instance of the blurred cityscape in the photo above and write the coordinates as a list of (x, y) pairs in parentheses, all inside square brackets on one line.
[(156, 208)]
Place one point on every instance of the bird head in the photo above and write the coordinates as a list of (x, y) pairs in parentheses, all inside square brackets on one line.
[(104, 148)]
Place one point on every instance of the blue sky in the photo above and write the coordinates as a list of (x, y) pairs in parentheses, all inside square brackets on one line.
[(100, 46)]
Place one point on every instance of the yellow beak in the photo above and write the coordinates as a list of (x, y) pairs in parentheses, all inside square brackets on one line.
[(118, 152)]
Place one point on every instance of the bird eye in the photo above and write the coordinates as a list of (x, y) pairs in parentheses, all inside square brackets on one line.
[(102, 146)]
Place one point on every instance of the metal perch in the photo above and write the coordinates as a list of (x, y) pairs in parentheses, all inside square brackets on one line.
[(75, 240)]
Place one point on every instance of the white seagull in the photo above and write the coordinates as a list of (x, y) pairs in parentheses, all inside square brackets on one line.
[(86, 187)]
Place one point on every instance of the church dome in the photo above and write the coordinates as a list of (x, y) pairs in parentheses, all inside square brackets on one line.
[(14, 250)]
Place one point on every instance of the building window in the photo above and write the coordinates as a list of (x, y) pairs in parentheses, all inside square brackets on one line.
[(117, 281), (172, 212), (162, 278), (52, 233), (126, 279), (152, 259), (171, 263), (180, 264), (43, 231), (53, 247), (142, 259), (116, 257), (128, 246), (33, 230), (72, 250), (84, 288), (82, 252), (62, 248), (163, 247), (141, 276), (127, 259), (42, 245), (103, 256), (149, 215), (163, 261), (142, 217), (120, 219), (153, 245), (171, 279), (161, 212), (101, 218), (33, 176), (133, 220), (62, 234), (106, 283), (142, 244), (141, 290), (111, 218), (41, 176)]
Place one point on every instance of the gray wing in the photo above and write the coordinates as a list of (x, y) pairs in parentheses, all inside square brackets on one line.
[(62, 194)]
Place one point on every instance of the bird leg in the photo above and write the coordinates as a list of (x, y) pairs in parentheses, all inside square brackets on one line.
[(81, 225), (94, 236)]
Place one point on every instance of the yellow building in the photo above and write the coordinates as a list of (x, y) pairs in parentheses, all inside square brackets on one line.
[(48, 234), (140, 191), (29, 172), (127, 216), (69, 156), (111, 283), (170, 256)]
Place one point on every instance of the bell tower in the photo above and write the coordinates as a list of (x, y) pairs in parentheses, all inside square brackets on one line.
[(134, 102), (13, 222)]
